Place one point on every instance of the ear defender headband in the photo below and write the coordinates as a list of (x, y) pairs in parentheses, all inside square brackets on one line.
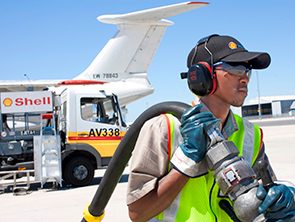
[(201, 79)]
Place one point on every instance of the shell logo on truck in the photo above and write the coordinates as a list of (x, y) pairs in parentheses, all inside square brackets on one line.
[(12, 102), (7, 102)]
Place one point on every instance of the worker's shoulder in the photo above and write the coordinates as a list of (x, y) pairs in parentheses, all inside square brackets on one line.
[(161, 121)]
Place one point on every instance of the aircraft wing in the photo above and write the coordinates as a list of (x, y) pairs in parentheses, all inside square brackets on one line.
[(39, 85), (17, 85)]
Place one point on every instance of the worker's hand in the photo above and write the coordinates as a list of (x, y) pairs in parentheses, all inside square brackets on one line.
[(194, 127), (278, 204)]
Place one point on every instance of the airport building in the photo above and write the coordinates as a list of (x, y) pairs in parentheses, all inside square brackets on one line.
[(269, 107)]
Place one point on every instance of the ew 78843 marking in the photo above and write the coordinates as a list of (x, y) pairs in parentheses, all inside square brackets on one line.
[(106, 76)]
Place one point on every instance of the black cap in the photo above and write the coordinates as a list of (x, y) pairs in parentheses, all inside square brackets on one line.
[(226, 49)]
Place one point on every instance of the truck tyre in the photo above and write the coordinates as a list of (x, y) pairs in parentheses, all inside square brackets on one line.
[(79, 172)]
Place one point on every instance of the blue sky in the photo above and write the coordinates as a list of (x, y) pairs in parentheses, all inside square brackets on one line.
[(58, 39)]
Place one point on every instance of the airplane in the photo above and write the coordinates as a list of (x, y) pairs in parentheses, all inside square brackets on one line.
[(121, 67)]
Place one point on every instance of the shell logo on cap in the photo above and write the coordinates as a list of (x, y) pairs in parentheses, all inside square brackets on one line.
[(7, 102), (232, 45)]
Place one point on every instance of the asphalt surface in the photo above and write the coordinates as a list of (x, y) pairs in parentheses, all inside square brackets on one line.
[(67, 203)]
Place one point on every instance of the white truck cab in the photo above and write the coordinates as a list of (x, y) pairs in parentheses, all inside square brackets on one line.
[(92, 126)]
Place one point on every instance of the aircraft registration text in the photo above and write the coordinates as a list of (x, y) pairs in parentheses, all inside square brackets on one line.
[(105, 76)]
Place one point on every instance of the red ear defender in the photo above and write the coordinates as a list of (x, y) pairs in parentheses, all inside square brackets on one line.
[(200, 79)]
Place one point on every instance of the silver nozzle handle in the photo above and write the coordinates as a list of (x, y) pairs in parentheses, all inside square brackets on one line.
[(214, 135)]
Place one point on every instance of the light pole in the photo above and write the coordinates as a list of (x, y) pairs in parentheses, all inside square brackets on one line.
[(259, 106)]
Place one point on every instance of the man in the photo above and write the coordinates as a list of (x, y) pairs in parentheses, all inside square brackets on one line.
[(185, 190)]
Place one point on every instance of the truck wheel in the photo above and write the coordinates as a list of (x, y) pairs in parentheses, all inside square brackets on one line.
[(79, 172)]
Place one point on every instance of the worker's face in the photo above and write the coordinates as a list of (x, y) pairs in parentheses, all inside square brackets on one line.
[(231, 89)]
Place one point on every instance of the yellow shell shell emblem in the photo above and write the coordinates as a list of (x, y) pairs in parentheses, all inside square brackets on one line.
[(7, 102), (232, 45)]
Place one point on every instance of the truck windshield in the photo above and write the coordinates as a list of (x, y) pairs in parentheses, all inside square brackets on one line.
[(102, 110)]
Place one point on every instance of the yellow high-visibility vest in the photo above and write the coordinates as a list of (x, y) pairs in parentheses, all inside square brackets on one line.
[(199, 199)]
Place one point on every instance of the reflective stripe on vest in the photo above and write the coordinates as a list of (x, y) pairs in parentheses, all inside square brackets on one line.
[(199, 198), (170, 129), (248, 139), (170, 213)]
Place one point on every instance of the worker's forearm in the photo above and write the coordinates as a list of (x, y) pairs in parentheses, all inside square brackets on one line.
[(158, 199)]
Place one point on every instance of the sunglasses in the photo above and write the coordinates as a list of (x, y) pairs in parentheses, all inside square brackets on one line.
[(237, 69)]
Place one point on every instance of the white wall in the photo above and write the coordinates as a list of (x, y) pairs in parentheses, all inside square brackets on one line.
[(276, 108)]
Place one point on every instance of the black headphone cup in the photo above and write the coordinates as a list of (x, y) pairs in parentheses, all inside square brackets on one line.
[(199, 79)]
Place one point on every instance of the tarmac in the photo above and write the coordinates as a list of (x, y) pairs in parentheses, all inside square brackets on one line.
[(66, 204)]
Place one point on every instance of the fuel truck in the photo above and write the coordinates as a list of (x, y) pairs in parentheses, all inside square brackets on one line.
[(59, 137)]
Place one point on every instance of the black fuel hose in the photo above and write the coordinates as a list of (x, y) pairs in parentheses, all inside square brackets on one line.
[(225, 205), (124, 152)]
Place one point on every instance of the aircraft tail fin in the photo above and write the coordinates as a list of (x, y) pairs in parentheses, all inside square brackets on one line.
[(134, 45)]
